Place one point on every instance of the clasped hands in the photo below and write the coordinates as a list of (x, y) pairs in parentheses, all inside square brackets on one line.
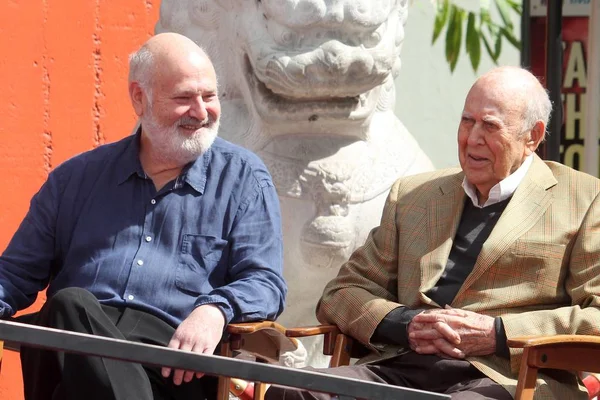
[(452, 332)]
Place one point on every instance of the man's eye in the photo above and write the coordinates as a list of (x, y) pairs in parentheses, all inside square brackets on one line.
[(490, 126)]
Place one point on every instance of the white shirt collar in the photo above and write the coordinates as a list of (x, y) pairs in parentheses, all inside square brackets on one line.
[(503, 189)]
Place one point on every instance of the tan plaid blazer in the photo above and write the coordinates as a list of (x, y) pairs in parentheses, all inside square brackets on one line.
[(539, 269)]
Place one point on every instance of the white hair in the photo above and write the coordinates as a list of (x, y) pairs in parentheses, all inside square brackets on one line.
[(140, 66), (538, 107)]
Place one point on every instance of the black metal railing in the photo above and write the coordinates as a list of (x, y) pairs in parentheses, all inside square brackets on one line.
[(345, 388)]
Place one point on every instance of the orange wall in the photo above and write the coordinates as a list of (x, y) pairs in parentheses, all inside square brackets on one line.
[(63, 90)]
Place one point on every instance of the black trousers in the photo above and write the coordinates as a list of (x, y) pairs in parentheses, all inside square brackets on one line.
[(50, 375), (458, 378)]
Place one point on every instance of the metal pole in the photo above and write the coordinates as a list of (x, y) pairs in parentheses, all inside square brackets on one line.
[(526, 35), (554, 54), (592, 120)]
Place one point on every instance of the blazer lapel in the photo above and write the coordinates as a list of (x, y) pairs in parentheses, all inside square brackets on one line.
[(528, 204), (443, 217)]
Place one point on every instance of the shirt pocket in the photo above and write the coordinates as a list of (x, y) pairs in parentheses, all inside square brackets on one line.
[(200, 255)]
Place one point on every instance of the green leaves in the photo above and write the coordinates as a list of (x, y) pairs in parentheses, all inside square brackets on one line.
[(479, 28), (473, 42), (454, 35), (441, 16), (504, 11)]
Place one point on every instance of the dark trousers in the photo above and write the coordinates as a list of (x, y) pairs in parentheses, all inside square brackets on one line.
[(457, 378), (50, 375)]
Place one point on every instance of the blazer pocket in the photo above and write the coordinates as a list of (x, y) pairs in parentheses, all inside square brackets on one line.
[(200, 255), (539, 265)]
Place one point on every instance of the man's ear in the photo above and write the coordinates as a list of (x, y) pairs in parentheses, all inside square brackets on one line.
[(136, 93), (536, 136)]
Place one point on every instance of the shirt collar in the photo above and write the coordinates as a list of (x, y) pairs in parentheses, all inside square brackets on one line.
[(194, 173), (503, 189), (129, 162)]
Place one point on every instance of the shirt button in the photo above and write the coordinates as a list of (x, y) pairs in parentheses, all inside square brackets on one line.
[(152, 201), (148, 238), (140, 262), (130, 297)]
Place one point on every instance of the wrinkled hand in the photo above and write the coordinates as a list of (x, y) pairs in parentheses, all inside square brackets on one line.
[(452, 332), (425, 338), (200, 332)]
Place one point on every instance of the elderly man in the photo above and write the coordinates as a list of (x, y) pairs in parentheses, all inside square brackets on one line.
[(463, 259), (163, 237)]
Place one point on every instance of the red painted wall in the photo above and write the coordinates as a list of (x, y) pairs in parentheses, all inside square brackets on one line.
[(63, 90)]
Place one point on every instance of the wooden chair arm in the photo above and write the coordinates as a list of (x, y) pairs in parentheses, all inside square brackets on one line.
[(565, 352), (336, 344), (265, 339), (536, 341), (245, 328), (312, 331), (330, 335)]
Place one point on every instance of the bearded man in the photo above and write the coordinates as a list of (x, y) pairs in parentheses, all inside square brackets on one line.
[(163, 237)]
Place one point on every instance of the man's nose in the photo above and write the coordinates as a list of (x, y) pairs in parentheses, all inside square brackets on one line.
[(476, 135), (198, 109)]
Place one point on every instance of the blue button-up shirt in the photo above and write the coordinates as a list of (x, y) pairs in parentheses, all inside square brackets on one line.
[(212, 236)]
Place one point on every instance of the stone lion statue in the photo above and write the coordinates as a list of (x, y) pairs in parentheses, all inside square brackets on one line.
[(309, 86)]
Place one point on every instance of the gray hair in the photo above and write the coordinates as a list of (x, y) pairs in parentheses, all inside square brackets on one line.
[(140, 65), (538, 107)]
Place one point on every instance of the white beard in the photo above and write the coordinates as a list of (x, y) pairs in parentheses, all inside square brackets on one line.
[(172, 146)]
